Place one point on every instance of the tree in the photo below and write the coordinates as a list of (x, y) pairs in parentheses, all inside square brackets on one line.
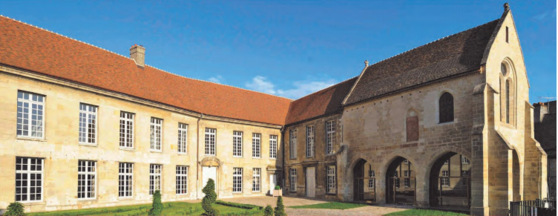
[(15, 208), (280, 209), (157, 207), (209, 198), (268, 211)]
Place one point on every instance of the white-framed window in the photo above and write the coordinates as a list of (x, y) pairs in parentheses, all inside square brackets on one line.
[(156, 131), (30, 115), (87, 179), (292, 179), (237, 143), (155, 171), (445, 178), (330, 136), (29, 179), (406, 173), (331, 183), (87, 124), (407, 182), (256, 145), (273, 146), (256, 179), (310, 141), (125, 179), (126, 130), (237, 180), (210, 134), (464, 160), (181, 179), (182, 138), (292, 143)]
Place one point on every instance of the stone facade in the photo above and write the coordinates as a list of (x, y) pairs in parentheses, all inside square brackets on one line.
[(61, 150)]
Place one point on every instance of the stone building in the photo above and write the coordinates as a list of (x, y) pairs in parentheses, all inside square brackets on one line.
[(447, 124), (545, 133)]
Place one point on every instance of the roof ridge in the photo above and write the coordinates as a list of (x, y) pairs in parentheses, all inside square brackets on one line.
[(326, 88), (440, 39), (49, 31), (216, 83)]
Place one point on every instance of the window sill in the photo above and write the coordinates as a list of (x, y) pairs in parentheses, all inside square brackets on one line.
[(127, 149), (86, 199), (31, 139), (183, 153), (237, 156), (32, 203), (447, 123), (155, 151), (126, 198), (88, 144)]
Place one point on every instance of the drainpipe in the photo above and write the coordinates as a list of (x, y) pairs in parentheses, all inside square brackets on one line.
[(198, 156), (283, 157)]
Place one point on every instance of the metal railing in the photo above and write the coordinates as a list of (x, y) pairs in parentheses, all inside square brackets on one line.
[(533, 208)]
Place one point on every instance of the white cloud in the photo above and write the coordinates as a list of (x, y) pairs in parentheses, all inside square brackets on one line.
[(300, 89), (217, 79)]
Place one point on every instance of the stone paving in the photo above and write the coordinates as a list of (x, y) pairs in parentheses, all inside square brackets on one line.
[(296, 201)]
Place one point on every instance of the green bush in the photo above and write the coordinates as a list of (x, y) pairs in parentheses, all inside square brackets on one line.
[(238, 205), (209, 198), (268, 211), (280, 209), (15, 208), (277, 187), (157, 207)]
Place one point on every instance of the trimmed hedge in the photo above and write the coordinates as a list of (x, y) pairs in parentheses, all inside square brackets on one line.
[(238, 205)]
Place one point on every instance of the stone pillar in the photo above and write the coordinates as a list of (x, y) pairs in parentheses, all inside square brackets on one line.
[(479, 153)]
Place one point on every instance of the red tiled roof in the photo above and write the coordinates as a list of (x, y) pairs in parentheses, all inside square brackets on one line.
[(324, 102), (28, 47)]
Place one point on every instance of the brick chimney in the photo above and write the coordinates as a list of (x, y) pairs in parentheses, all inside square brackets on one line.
[(137, 53)]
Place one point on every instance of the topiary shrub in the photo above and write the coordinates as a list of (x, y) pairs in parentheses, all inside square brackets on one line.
[(209, 198), (280, 209), (277, 187), (157, 207), (268, 211), (15, 208)]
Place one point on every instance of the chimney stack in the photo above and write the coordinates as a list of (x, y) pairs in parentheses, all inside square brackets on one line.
[(137, 53)]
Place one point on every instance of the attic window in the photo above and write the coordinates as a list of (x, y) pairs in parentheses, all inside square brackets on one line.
[(507, 35)]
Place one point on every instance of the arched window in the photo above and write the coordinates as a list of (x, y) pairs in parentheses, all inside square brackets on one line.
[(508, 101), (446, 108)]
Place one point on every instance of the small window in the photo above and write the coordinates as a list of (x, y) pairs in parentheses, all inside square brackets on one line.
[(507, 35), (237, 143), (504, 69), (156, 130), (210, 134), (331, 183), (446, 108), (237, 180), (256, 145), (273, 146), (292, 143), (87, 179), (508, 101), (310, 141), (126, 130), (155, 171), (412, 126), (256, 179), (292, 179), (30, 115), (87, 124), (445, 178), (182, 138), (181, 179)]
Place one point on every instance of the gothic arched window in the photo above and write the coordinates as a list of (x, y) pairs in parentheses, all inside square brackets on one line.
[(508, 101), (446, 108)]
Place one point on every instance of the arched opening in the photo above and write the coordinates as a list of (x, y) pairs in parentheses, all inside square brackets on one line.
[(445, 108), (450, 182), (358, 176), (400, 182)]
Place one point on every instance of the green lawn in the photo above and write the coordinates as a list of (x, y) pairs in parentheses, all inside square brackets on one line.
[(424, 212), (330, 205), (170, 208)]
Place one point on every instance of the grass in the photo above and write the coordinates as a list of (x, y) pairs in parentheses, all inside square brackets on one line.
[(170, 208), (330, 205), (424, 212)]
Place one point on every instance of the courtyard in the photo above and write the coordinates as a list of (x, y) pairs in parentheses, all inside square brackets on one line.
[(250, 206)]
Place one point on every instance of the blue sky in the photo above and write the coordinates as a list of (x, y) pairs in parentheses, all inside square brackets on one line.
[(287, 48)]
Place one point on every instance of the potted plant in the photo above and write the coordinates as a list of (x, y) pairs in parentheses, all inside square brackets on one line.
[(277, 192)]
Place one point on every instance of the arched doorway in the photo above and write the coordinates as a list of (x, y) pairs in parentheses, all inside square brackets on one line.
[(364, 183), (400, 182), (358, 176), (450, 182), (515, 170)]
